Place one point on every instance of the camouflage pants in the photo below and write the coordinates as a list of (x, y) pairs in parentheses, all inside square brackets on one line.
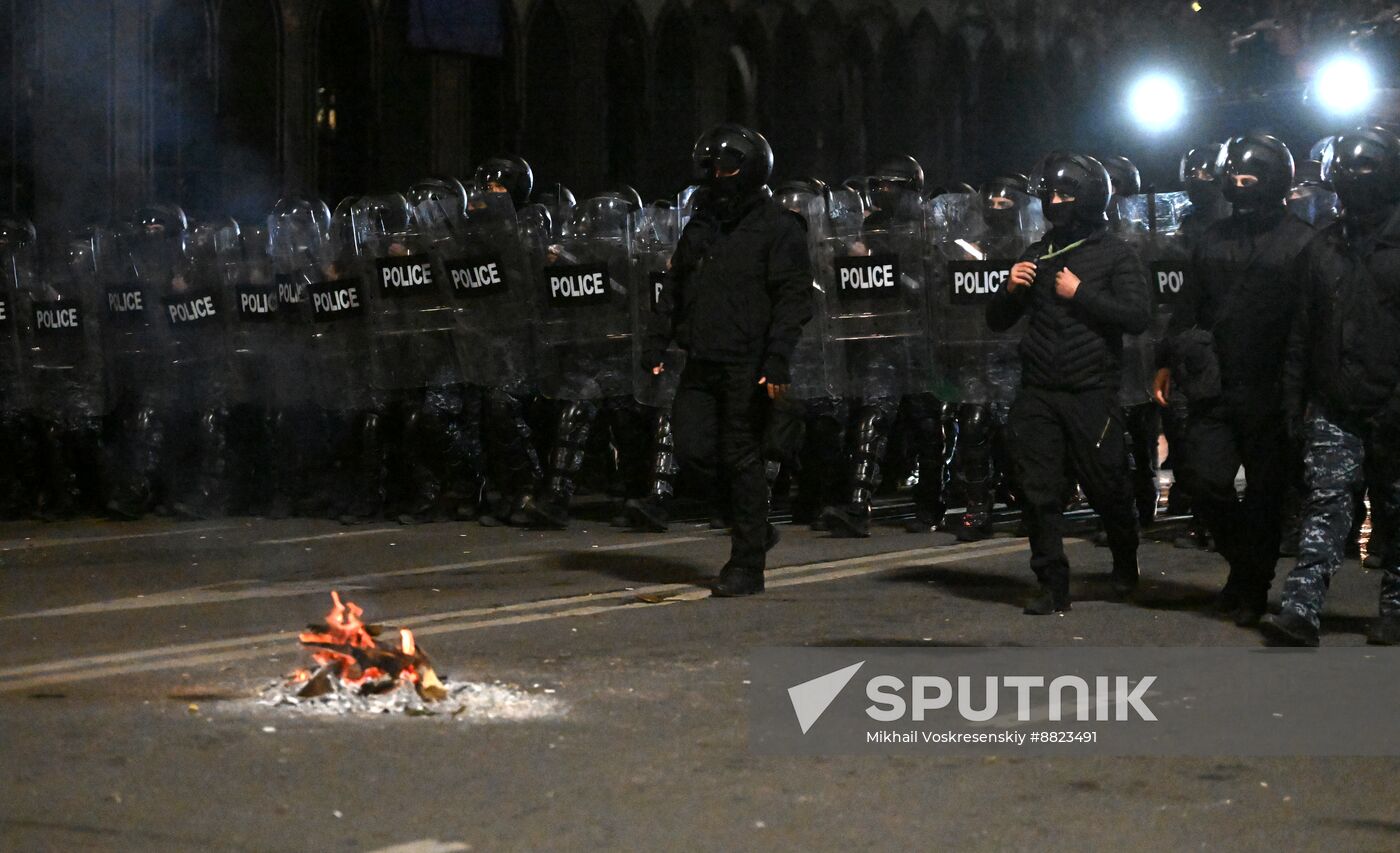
[(1336, 463)]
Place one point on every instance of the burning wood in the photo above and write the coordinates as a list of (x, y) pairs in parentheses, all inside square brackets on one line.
[(350, 652)]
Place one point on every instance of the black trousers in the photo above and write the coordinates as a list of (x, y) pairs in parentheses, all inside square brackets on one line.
[(1220, 437), (1051, 430), (718, 419), (1144, 429)]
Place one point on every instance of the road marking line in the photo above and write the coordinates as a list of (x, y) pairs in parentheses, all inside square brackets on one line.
[(212, 594), (339, 534), (30, 544), (248, 648), (425, 845), (430, 618)]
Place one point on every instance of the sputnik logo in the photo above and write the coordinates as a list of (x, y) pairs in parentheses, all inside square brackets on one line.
[(810, 699)]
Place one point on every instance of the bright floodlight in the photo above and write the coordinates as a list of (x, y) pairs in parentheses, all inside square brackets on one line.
[(1156, 102), (1344, 85)]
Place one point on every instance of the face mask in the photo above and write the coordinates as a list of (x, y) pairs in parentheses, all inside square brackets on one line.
[(1060, 214), (1202, 193), (1002, 219), (725, 186), (1360, 196)]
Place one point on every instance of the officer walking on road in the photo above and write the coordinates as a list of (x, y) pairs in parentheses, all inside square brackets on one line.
[(741, 283), (1082, 290), (1343, 370)]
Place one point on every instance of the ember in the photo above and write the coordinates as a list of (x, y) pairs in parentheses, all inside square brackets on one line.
[(349, 654)]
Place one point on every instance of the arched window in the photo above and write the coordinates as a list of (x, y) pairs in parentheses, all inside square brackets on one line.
[(676, 120), (183, 153), (795, 129), (626, 96), (549, 94), (405, 128), (248, 98), (492, 101), (343, 117)]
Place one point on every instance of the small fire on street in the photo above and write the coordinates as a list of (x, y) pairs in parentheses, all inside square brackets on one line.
[(366, 668)]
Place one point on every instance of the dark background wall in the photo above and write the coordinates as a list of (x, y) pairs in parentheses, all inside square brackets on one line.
[(222, 105)]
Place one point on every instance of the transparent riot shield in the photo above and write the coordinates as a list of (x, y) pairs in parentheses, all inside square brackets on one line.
[(61, 308), (484, 260), (654, 233), (876, 301), (257, 364), (324, 281), (974, 248), (816, 364), (17, 271), (300, 253), (198, 317), (1151, 222), (135, 339), (583, 329), (407, 306)]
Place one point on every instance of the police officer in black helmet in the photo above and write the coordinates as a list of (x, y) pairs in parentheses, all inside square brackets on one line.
[(1081, 290), (1342, 382), (1225, 346), (740, 294)]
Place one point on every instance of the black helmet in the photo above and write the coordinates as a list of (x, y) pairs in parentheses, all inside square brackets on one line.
[(1075, 176), (733, 148), (1002, 201), (1264, 157), (1127, 181), (554, 196), (512, 174), (1364, 168), (900, 169), (624, 193), (1199, 164)]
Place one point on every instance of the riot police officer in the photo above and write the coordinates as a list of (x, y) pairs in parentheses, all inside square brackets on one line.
[(1081, 290), (740, 293), (1226, 347), (1342, 381)]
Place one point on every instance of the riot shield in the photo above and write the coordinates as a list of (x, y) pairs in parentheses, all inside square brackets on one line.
[(974, 248), (300, 253), (65, 360), (17, 270), (485, 265), (319, 278), (197, 315), (816, 364), (134, 332), (876, 305), (583, 330), (1151, 222), (654, 233), (257, 366)]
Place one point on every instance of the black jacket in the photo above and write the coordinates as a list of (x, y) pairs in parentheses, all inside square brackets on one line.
[(737, 292), (1344, 349), (1239, 286), (1077, 344)]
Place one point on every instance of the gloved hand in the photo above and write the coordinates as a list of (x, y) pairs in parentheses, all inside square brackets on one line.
[(775, 369)]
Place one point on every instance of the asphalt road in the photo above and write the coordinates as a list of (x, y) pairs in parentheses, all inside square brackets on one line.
[(134, 653)]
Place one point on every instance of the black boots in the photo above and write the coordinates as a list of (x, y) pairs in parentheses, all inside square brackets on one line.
[(872, 432), (1290, 629), (550, 508)]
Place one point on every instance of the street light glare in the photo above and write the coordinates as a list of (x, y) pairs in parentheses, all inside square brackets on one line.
[(1156, 102), (1344, 84)]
